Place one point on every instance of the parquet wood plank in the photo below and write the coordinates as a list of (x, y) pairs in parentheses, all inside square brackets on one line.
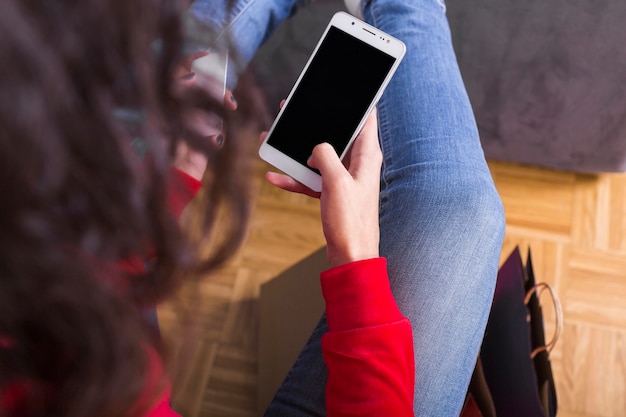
[(534, 199), (617, 217), (592, 381)]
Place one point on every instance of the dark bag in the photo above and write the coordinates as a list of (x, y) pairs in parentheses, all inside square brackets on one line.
[(513, 375)]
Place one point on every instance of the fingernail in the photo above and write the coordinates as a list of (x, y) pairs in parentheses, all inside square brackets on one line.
[(219, 140), (232, 99), (188, 76)]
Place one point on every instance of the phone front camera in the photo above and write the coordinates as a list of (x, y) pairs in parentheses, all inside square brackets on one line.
[(352, 23)]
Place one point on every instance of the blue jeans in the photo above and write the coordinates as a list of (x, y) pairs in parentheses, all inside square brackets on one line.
[(441, 219)]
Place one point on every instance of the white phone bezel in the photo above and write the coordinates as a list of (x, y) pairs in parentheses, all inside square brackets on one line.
[(211, 70), (370, 35)]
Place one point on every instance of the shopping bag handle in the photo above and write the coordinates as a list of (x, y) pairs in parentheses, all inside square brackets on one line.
[(538, 289)]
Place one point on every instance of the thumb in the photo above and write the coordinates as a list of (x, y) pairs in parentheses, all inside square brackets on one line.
[(325, 159)]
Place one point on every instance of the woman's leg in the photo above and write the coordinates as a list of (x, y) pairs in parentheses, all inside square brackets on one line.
[(441, 218), (441, 221), (242, 26)]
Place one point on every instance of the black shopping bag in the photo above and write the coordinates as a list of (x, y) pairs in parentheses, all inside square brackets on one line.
[(513, 375)]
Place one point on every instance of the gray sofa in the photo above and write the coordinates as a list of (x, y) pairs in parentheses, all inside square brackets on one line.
[(547, 79)]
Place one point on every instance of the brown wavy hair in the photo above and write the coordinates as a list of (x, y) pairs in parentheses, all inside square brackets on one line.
[(75, 199)]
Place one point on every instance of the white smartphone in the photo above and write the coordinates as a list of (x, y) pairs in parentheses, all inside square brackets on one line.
[(341, 83), (211, 73)]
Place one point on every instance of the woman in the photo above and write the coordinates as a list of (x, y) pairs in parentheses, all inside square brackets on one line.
[(91, 84), (441, 219)]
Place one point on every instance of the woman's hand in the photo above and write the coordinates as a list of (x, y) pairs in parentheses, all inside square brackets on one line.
[(349, 197), (188, 160)]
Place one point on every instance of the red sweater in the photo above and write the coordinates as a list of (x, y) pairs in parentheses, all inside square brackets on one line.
[(368, 349)]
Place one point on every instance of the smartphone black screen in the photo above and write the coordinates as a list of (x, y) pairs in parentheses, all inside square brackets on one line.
[(332, 97)]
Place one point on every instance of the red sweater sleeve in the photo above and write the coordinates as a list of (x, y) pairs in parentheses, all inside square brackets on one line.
[(368, 349), (182, 189)]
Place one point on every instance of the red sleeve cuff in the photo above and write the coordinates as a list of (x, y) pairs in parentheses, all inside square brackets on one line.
[(163, 408), (358, 295), (183, 188)]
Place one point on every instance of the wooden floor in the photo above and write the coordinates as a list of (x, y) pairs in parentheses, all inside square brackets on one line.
[(575, 225)]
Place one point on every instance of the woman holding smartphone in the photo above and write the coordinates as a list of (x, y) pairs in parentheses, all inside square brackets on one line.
[(81, 214), (441, 219)]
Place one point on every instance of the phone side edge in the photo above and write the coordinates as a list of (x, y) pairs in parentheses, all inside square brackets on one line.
[(290, 166)]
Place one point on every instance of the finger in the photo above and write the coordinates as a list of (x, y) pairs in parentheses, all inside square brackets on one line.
[(183, 68), (366, 130), (347, 157), (282, 103), (287, 183), (204, 124), (186, 79), (368, 136), (326, 160), (188, 60), (371, 123), (217, 140), (230, 103), (366, 156), (262, 136)]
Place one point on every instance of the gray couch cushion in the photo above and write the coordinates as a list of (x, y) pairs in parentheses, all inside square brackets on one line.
[(547, 79)]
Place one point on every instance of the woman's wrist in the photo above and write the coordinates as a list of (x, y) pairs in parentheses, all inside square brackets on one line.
[(349, 256), (191, 162)]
